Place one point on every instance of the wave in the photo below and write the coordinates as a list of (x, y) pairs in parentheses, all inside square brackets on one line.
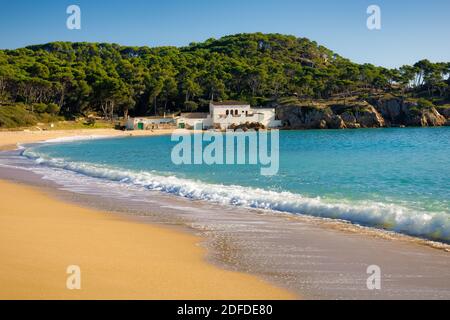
[(391, 217), (21, 146), (75, 138)]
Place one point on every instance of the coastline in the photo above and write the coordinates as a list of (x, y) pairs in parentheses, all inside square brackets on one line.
[(9, 140), (119, 259), (322, 252), (122, 259)]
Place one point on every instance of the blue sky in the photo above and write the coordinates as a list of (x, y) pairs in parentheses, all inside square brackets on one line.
[(411, 30)]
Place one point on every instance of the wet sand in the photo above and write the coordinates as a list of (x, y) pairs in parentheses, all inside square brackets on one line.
[(119, 259)]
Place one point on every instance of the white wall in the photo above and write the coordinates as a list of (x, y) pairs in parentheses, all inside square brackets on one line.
[(218, 117), (218, 112), (268, 117), (205, 123), (132, 123), (225, 122)]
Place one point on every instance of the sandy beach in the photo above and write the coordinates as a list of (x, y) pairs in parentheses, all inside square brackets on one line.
[(10, 139), (122, 257), (119, 259)]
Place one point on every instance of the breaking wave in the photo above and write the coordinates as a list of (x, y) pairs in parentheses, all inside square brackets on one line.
[(391, 217)]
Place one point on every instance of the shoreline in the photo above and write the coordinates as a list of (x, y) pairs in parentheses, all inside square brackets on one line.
[(354, 247), (9, 140), (203, 279), (119, 258)]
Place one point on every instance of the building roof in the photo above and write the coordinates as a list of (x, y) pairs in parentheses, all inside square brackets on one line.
[(195, 115), (263, 108), (230, 103), (153, 117)]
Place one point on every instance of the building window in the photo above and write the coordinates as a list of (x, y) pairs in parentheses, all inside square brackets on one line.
[(236, 112), (227, 112)]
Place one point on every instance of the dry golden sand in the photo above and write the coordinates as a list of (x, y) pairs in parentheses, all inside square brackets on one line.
[(10, 139), (119, 259)]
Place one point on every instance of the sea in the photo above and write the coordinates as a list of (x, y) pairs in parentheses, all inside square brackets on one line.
[(395, 179)]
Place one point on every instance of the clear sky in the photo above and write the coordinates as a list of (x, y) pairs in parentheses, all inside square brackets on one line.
[(411, 30)]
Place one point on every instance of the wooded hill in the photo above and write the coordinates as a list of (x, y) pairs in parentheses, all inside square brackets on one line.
[(72, 79)]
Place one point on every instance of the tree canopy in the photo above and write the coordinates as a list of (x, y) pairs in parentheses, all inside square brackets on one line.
[(112, 79)]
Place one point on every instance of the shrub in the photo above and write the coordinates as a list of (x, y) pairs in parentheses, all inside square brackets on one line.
[(16, 116), (90, 122), (424, 104), (39, 107), (52, 108)]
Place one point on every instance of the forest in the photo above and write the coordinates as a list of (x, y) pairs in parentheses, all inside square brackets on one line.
[(109, 80)]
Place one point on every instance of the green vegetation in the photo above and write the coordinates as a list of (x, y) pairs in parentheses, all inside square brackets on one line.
[(21, 116), (80, 124), (16, 116), (78, 79)]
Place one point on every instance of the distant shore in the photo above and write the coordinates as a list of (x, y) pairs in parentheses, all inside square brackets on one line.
[(9, 140)]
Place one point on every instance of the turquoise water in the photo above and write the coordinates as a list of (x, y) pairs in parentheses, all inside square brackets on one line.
[(395, 179)]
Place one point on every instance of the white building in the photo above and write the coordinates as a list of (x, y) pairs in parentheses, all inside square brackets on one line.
[(150, 123), (194, 121), (224, 114)]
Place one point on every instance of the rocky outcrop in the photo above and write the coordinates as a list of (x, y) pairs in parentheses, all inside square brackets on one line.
[(370, 118), (361, 115), (401, 112), (393, 111), (307, 117), (445, 112), (350, 120), (334, 117), (248, 126), (426, 118), (374, 113)]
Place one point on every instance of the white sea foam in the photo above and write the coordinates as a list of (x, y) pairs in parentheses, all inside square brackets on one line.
[(391, 217), (74, 138), (21, 146)]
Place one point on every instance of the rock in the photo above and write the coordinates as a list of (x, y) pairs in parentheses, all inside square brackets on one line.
[(395, 111), (307, 117), (434, 118), (445, 112), (428, 117), (256, 126), (336, 122), (369, 118), (399, 112), (375, 113), (350, 120), (360, 115)]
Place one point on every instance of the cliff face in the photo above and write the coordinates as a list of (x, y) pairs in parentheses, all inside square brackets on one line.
[(445, 112), (400, 112), (333, 117), (377, 113), (305, 117)]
